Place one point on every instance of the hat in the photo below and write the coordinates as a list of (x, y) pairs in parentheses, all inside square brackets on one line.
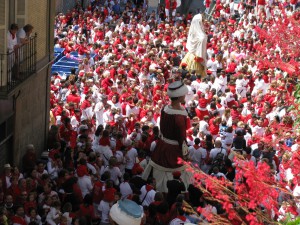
[(7, 166), (176, 174), (139, 170), (109, 194), (183, 65), (126, 212), (82, 171), (177, 89)]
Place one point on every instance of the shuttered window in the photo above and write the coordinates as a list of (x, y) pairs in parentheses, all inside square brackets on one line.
[(3, 26), (20, 12)]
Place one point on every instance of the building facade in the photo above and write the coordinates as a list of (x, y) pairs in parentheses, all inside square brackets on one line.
[(25, 80)]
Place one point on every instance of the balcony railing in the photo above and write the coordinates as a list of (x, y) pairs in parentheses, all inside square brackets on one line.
[(16, 66)]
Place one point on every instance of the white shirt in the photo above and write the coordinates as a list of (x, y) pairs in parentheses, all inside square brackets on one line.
[(178, 221), (146, 201), (85, 185), (259, 131), (196, 85), (203, 127), (104, 209), (130, 158), (11, 42), (115, 174), (21, 35), (215, 151), (106, 153), (125, 189), (52, 215), (130, 110), (195, 155)]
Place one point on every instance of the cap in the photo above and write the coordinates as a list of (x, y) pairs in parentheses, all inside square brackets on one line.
[(176, 174), (126, 212), (7, 166), (177, 89), (183, 65)]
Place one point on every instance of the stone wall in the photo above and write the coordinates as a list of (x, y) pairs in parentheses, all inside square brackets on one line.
[(31, 114), (39, 20)]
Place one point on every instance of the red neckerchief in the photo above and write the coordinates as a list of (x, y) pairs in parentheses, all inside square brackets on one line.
[(12, 35), (182, 218), (104, 141), (149, 187)]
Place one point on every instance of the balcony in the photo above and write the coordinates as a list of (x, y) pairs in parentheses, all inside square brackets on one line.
[(17, 66)]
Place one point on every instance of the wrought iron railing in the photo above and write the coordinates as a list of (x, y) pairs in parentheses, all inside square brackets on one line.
[(16, 66)]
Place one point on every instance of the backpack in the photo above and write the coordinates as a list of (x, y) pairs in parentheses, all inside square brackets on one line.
[(218, 161)]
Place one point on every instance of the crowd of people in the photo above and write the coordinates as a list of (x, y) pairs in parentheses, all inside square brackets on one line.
[(105, 117)]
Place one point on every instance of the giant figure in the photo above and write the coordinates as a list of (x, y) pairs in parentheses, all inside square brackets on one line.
[(196, 46), (172, 143)]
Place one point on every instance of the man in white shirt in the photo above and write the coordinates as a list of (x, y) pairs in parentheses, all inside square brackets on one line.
[(218, 149), (258, 130), (99, 110), (24, 34), (203, 125), (12, 42), (148, 193), (195, 153), (212, 65), (130, 156)]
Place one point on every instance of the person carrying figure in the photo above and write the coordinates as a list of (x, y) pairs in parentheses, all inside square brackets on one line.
[(195, 59), (172, 142)]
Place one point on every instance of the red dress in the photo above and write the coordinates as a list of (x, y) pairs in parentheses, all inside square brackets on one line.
[(173, 125)]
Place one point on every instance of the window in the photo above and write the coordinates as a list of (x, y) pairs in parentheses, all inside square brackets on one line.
[(3, 26), (20, 12)]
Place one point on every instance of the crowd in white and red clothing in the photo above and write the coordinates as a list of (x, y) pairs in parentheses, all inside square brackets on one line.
[(105, 116)]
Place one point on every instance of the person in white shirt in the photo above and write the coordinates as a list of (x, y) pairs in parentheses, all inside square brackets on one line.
[(113, 169), (114, 102), (212, 65), (24, 34), (204, 85), (130, 156), (99, 110), (258, 130), (54, 213), (85, 184), (104, 208), (148, 193), (125, 188), (189, 96), (195, 153), (259, 86), (12, 41), (218, 149), (248, 157), (241, 86), (203, 125), (216, 173), (180, 218)]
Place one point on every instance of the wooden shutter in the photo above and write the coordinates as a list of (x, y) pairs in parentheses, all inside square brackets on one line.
[(3, 26), (20, 12)]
